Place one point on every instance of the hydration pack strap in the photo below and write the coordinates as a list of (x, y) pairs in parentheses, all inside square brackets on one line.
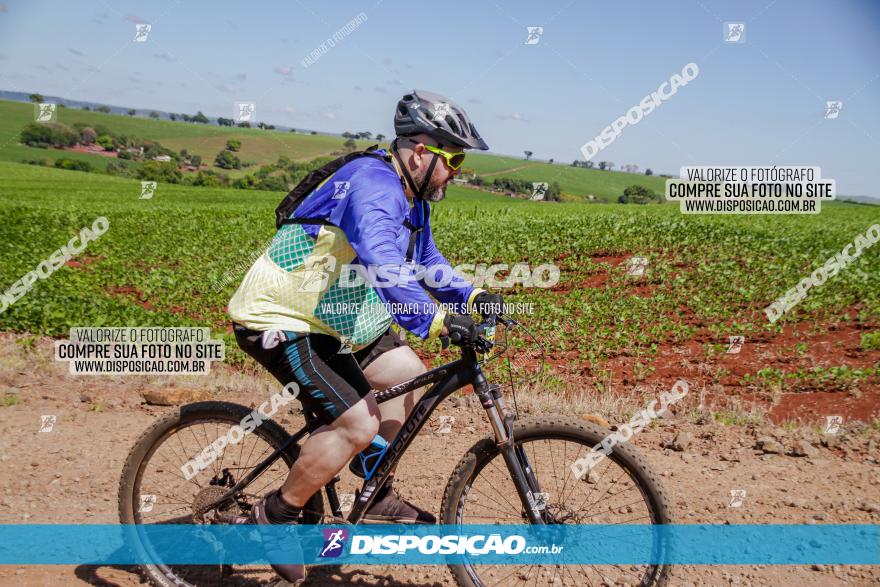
[(413, 237)]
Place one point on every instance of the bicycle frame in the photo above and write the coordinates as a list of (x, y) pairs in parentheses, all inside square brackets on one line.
[(446, 380)]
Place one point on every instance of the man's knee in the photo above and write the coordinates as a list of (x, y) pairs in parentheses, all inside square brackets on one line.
[(359, 423), (394, 367)]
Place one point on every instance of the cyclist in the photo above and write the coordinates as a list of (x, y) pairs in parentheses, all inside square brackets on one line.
[(302, 313)]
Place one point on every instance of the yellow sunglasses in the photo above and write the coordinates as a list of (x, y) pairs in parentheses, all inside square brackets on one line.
[(453, 160)]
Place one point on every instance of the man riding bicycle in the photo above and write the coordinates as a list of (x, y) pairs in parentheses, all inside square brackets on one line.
[(303, 314)]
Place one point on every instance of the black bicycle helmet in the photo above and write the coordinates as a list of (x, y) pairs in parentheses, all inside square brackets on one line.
[(421, 112)]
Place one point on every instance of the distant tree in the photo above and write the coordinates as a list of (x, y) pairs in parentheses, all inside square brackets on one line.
[(244, 124), (49, 135), (154, 114), (105, 141), (292, 130), (195, 160), (233, 145), (132, 111), (165, 172), (104, 109), (380, 137), (638, 194), (649, 172), (347, 135), (528, 155), (265, 126), (225, 121), (36, 97), (349, 145), (366, 135), (172, 116), (86, 108), (609, 165), (589, 164), (200, 118), (314, 132), (73, 164), (88, 136), (603, 165), (186, 117), (226, 160), (550, 161)]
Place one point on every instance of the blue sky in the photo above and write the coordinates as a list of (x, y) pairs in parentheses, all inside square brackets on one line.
[(756, 103)]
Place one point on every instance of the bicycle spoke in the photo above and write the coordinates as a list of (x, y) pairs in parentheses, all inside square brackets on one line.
[(223, 453), (283, 475), (499, 582), (495, 489), (175, 468), (185, 460), (568, 472), (553, 465)]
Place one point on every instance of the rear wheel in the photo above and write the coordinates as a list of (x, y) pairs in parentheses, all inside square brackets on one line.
[(621, 489), (153, 489)]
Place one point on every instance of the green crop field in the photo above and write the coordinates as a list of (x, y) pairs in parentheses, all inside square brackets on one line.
[(160, 260)]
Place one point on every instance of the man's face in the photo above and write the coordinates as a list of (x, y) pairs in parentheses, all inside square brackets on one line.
[(441, 176)]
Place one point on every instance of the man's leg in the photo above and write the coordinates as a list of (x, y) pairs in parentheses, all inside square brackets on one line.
[(327, 450), (333, 387), (389, 363), (390, 368)]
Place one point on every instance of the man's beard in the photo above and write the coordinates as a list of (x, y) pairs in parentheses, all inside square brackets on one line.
[(434, 192)]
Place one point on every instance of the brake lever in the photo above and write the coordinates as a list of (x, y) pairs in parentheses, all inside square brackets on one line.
[(506, 321)]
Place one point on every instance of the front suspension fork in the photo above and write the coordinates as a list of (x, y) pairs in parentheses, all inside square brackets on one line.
[(515, 457)]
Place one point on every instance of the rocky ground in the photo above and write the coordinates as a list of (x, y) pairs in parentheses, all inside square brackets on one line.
[(790, 474)]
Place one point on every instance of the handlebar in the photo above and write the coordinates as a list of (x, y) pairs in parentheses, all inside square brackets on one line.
[(481, 344)]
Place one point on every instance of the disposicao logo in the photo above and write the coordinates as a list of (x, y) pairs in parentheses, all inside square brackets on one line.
[(334, 542)]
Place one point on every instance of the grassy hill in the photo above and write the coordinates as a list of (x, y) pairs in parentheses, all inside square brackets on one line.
[(259, 146), (262, 147)]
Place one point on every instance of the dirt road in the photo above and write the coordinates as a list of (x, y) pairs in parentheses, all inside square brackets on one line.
[(70, 475)]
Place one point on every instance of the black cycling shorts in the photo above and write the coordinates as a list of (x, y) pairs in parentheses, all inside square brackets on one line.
[(329, 382)]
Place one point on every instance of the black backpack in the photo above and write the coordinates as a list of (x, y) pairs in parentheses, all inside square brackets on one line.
[(305, 187)]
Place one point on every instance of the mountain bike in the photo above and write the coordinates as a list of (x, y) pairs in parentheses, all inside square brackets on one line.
[(519, 475)]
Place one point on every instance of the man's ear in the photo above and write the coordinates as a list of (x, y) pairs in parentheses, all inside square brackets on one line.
[(418, 152)]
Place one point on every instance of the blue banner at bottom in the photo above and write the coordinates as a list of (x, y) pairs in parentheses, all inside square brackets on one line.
[(695, 544)]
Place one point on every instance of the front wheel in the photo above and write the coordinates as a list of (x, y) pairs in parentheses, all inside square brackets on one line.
[(621, 489)]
